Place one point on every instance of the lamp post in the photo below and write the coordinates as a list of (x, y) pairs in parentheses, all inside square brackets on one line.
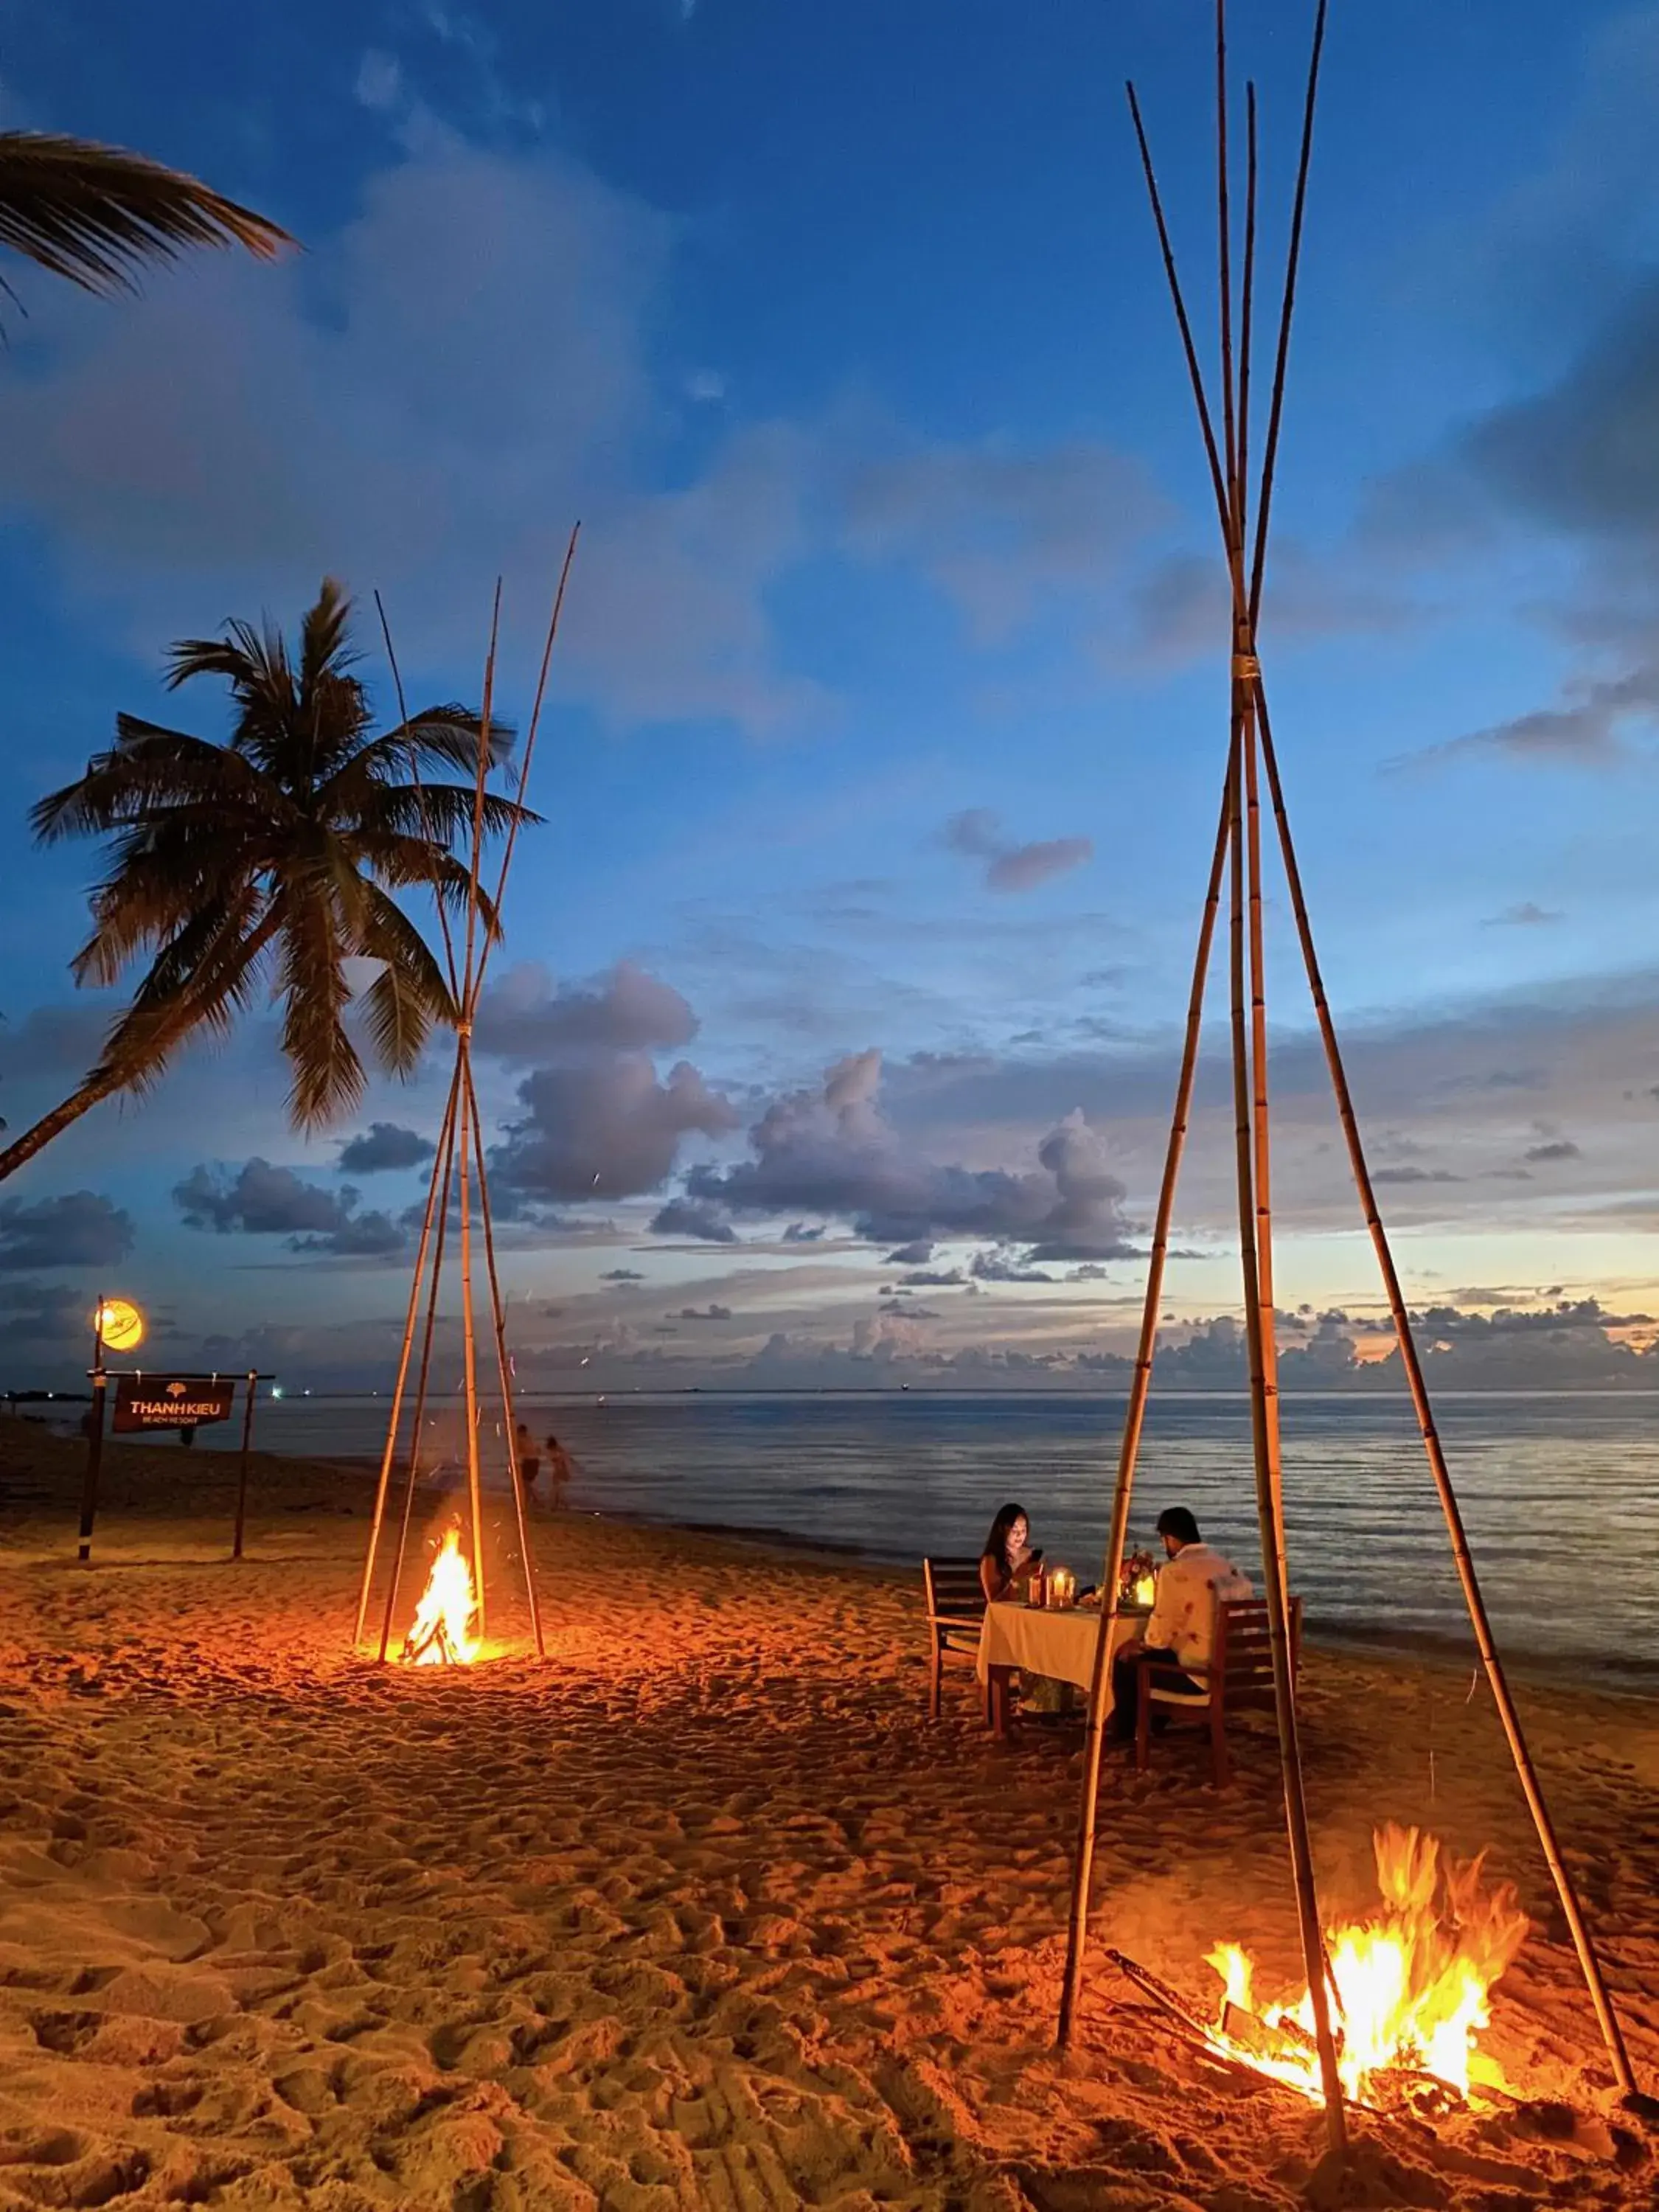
[(116, 1326)]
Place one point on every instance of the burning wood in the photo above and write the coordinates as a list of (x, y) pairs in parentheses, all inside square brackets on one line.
[(441, 1634), (1409, 1988)]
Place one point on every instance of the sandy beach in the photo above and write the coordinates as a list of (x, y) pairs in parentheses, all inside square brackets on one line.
[(702, 1912)]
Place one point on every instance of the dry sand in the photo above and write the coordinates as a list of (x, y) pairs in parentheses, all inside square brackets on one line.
[(703, 1912)]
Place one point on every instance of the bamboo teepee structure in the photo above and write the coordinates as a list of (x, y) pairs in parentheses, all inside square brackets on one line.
[(1237, 859), (460, 1181)]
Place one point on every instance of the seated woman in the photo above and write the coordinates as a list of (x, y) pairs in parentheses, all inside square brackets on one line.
[(1007, 1558)]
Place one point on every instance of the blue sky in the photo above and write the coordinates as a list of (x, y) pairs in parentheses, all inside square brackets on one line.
[(890, 709)]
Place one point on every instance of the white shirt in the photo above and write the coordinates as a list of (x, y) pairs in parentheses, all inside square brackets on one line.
[(1189, 1589)]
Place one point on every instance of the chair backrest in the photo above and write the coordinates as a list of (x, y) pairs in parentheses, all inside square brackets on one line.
[(955, 1591), (1242, 1661)]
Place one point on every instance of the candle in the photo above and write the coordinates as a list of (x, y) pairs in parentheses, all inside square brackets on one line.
[(1146, 1591), (1062, 1587)]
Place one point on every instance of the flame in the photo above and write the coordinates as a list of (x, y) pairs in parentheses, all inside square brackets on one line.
[(1146, 1591), (1409, 1988), (441, 1633)]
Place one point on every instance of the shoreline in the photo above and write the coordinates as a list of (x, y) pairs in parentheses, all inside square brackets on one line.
[(1626, 1680)]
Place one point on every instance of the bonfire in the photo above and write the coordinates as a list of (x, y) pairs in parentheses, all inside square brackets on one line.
[(441, 1634), (1409, 1988)]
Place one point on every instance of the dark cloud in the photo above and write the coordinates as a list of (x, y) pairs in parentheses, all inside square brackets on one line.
[(383, 1147), (79, 1230), (524, 1017), (799, 1233), (703, 1313), (622, 1275), (1004, 1267), (833, 1151), (935, 1278), (1578, 460), (1013, 867), (1554, 1148), (606, 1128), (1527, 916), (262, 1200), (1406, 1175), (53, 1044), (685, 1216), (911, 1256)]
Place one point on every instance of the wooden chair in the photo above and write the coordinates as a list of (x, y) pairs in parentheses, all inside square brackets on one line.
[(1239, 1679), (956, 1614)]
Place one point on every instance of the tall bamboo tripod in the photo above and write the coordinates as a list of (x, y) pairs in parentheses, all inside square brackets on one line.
[(460, 1171), (1237, 859)]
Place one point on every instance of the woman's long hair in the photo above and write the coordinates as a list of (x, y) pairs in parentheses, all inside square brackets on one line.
[(996, 1544)]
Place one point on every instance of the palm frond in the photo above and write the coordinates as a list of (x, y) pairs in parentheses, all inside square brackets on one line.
[(440, 813), (408, 994), (98, 214), (328, 1076)]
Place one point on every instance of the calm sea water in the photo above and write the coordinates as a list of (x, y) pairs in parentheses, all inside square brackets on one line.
[(1559, 1491)]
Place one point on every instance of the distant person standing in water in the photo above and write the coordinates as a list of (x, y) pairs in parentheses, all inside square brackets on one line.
[(559, 1470)]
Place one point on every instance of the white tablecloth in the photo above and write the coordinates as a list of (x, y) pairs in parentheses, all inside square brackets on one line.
[(1060, 1645)]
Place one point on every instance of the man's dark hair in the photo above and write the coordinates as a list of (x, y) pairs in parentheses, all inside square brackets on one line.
[(1176, 1521)]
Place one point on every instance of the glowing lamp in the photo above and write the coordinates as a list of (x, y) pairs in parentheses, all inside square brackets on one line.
[(120, 1325)]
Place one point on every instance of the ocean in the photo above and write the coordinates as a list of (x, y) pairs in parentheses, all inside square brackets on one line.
[(1559, 1492)]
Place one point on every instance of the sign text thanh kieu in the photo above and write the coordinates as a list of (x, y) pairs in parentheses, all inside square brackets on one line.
[(171, 1402)]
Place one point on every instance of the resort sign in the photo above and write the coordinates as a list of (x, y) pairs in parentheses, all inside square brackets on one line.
[(171, 1402)]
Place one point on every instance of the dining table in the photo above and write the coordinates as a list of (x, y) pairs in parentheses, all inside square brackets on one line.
[(1057, 1642)]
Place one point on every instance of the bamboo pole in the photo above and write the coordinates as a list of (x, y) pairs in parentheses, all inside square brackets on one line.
[(470, 1356), (1128, 1453), (389, 1453), (1532, 1789), (416, 1427), (1262, 1441), (504, 1373)]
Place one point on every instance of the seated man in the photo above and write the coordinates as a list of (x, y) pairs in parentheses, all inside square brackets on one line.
[(1182, 1628)]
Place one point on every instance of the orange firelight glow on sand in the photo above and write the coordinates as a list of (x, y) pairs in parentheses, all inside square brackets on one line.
[(1410, 1986), (442, 1632)]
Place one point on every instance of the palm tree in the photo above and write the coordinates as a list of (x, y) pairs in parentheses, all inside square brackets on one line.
[(273, 858), (97, 214)]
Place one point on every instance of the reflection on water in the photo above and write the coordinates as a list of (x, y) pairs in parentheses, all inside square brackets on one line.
[(1559, 1491)]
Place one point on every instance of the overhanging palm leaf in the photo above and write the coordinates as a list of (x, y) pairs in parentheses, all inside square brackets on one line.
[(273, 861), (98, 215)]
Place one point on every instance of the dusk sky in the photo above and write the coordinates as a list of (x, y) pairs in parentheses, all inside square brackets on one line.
[(834, 1033)]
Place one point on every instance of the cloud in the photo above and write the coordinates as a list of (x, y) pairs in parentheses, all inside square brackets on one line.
[(79, 1230), (523, 1017), (622, 1275), (1554, 1148), (1528, 915), (1002, 531), (911, 1256), (262, 1200), (799, 1233), (684, 1217), (606, 1128), (1002, 1266), (383, 1148), (1013, 867), (240, 430), (703, 1313), (832, 1152), (1407, 1175)]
